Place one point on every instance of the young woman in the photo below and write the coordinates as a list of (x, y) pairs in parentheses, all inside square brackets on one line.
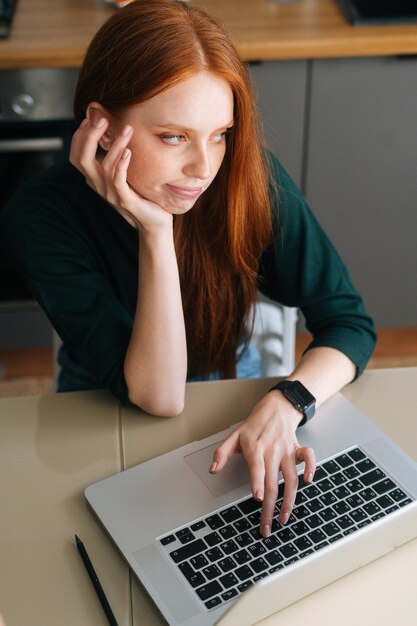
[(148, 253)]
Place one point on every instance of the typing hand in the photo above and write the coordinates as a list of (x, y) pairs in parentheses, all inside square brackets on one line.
[(268, 442)]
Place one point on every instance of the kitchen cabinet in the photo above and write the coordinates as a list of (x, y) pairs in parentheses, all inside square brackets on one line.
[(361, 175)]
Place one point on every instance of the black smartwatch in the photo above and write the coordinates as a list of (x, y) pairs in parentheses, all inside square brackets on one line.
[(299, 397)]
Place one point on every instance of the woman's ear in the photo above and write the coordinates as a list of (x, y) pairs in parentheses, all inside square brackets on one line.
[(95, 112)]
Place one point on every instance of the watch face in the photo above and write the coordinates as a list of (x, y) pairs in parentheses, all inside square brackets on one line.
[(300, 394)]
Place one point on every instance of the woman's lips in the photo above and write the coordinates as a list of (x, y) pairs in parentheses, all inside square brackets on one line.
[(185, 192)]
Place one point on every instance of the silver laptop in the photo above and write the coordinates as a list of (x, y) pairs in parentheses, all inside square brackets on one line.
[(193, 540)]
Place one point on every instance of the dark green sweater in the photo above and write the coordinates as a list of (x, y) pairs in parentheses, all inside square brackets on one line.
[(78, 257)]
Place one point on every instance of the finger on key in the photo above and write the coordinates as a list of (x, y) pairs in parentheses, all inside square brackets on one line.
[(307, 455), (289, 472), (270, 495)]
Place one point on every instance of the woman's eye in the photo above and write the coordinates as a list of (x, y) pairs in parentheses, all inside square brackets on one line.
[(173, 139), (220, 136)]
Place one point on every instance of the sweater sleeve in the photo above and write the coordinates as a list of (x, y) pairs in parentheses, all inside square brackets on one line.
[(54, 259), (301, 268)]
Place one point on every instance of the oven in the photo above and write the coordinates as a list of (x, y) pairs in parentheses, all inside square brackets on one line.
[(36, 126)]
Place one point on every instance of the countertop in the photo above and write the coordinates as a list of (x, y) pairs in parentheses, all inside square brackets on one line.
[(56, 34)]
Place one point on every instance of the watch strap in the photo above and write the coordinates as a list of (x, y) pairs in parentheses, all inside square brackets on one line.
[(299, 396)]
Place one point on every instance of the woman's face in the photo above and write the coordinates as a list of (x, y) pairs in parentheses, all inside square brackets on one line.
[(179, 140)]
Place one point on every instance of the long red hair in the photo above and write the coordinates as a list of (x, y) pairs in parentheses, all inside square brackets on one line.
[(143, 49)]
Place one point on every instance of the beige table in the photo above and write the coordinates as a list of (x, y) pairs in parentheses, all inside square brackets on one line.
[(51, 447), (382, 593)]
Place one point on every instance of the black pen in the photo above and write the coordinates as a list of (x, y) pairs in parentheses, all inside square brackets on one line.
[(97, 586)]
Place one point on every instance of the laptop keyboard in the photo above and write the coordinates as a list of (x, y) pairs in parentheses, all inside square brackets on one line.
[(223, 554)]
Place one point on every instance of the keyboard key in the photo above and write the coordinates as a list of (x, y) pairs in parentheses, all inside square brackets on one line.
[(345, 522), (259, 565), (227, 532), (214, 521), (378, 516), (338, 479), (325, 485), (354, 485), (213, 539), (167, 540), (371, 508), (244, 572), (274, 557), (212, 571), (397, 494), (242, 557), (194, 578), (276, 568), (207, 591), (198, 561), (327, 498), (331, 467), (384, 486), (229, 594), (229, 580), (313, 521), (198, 526), (243, 540), (183, 532), (302, 543), (300, 497), (351, 472), (368, 494), (285, 535), (356, 454), (259, 576), (331, 529), (302, 555), (366, 465), (404, 502), (255, 518), (317, 535), (384, 501), (335, 538), (242, 524), (231, 514), (271, 542), (344, 460), (301, 511), (243, 586), (372, 477), (214, 554), (249, 506), (358, 515), (226, 564), (294, 559), (256, 549), (321, 545), (319, 473), (328, 514), (341, 492), (229, 547), (341, 507), (311, 492), (289, 550), (315, 505), (210, 604), (354, 501), (300, 528), (187, 551)]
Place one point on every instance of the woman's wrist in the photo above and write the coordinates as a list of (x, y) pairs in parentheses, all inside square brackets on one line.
[(283, 406)]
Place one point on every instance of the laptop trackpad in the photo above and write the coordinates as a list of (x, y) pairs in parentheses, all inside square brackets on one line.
[(234, 475)]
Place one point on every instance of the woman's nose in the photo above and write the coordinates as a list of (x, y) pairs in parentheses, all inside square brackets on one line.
[(198, 164)]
